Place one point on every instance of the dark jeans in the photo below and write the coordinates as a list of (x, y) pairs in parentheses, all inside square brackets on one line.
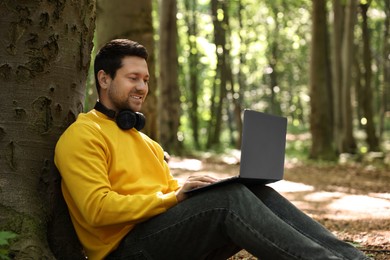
[(217, 223)]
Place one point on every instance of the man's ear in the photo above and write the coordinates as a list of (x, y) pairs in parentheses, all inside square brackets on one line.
[(104, 79)]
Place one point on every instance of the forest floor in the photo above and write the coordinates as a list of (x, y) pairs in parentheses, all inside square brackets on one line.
[(352, 200)]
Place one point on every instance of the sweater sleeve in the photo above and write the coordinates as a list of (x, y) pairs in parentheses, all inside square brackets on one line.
[(81, 156)]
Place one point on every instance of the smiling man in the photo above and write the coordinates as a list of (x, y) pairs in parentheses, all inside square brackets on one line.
[(125, 204), (125, 88)]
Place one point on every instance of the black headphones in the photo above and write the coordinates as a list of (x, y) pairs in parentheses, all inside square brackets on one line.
[(125, 119)]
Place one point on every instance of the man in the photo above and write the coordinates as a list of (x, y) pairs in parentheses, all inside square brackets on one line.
[(125, 204)]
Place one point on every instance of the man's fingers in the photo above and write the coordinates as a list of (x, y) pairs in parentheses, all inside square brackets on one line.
[(198, 181), (194, 182), (203, 178)]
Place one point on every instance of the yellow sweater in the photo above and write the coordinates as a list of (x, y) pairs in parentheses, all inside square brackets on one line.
[(112, 179)]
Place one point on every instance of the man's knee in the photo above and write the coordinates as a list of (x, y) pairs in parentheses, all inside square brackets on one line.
[(231, 189), (220, 196), (235, 193)]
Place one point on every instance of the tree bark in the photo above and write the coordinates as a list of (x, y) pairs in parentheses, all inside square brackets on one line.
[(320, 118), (132, 20), (233, 105), (240, 77), (337, 75), (385, 108), (170, 93), (219, 95), (367, 90), (273, 60), (348, 143), (44, 59), (193, 64)]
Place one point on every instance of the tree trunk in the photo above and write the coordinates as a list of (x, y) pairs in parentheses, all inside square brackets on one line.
[(367, 97), (170, 94), (240, 77), (385, 109), (320, 118), (233, 104), (273, 58), (193, 64), (131, 20), (348, 144), (337, 75), (219, 23), (44, 60)]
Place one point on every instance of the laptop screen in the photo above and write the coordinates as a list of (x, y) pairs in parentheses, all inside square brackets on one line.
[(263, 146)]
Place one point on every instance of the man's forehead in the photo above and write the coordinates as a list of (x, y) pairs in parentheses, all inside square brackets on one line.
[(135, 65)]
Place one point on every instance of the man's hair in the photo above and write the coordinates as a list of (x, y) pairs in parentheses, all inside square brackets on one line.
[(109, 58)]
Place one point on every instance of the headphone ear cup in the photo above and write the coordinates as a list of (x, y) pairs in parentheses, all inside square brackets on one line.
[(126, 119), (140, 122)]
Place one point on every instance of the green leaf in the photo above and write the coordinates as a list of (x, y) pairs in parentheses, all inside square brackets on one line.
[(5, 236)]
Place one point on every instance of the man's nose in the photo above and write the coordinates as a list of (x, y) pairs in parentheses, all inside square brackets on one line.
[(142, 84)]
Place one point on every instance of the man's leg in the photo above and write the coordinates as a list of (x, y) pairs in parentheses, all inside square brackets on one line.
[(310, 228), (230, 216), (193, 229)]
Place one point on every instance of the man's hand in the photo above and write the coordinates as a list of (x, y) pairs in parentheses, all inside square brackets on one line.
[(191, 183)]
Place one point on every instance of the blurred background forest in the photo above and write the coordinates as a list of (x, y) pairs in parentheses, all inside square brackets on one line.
[(325, 65)]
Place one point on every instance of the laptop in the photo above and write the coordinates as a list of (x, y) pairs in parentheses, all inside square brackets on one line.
[(262, 150)]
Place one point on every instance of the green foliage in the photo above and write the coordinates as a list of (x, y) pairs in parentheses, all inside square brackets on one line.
[(254, 32), (269, 52), (5, 237), (298, 142), (269, 48)]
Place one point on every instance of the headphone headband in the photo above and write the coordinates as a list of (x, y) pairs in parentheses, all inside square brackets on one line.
[(101, 108)]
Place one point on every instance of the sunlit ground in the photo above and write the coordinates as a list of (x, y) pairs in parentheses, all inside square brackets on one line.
[(338, 205), (186, 164)]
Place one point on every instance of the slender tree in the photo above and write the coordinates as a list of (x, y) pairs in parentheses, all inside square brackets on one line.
[(348, 143), (233, 107), (366, 92), (240, 75), (320, 85), (44, 59), (273, 35), (193, 63), (218, 9), (170, 94), (386, 67), (337, 76)]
